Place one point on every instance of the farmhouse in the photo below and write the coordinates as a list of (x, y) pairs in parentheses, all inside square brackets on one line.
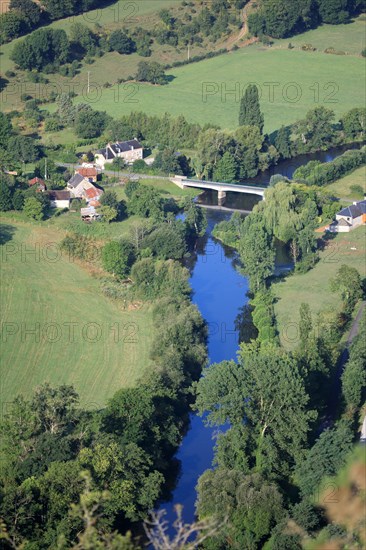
[(129, 151), (81, 188), (59, 199), (350, 217)]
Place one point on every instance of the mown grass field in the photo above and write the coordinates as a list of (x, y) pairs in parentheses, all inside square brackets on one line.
[(109, 346), (201, 91), (342, 187), (349, 38), (313, 287)]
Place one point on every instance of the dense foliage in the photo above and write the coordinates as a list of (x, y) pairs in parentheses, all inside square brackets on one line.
[(285, 18)]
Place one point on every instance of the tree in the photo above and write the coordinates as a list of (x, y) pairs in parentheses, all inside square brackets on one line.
[(166, 241), (226, 169), (328, 453), (348, 283), (146, 202), (265, 389), (6, 129), (33, 208), (109, 198), (354, 122), (89, 123), (84, 37), (118, 257), (23, 148), (317, 129), (250, 113), (29, 9), (5, 196), (109, 213), (247, 506), (257, 252), (353, 377), (283, 143), (334, 11), (167, 161), (150, 72), (12, 24), (121, 43), (41, 48)]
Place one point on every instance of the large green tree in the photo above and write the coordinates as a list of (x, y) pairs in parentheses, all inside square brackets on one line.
[(257, 252), (266, 389), (250, 113), (118, 257)]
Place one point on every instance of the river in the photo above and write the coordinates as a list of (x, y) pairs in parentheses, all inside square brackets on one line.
[(219, 291)]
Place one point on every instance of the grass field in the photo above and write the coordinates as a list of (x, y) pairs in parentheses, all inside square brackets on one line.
[(350, 38), (316, 78), (342, 187), (313, 287), (110, 346)]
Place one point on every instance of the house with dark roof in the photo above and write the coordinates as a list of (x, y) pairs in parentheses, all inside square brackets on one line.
[(59, 199), (129, 151), (349, 217)]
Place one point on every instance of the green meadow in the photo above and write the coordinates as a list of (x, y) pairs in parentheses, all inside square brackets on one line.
[(57, 327), (291, 83)]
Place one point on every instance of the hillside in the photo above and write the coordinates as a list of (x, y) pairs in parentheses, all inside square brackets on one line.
[(53, 296)]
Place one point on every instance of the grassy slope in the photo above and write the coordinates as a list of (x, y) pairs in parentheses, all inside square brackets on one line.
[(342, 187), (184, 94), (62, 292), (314, 287), (349, 38)]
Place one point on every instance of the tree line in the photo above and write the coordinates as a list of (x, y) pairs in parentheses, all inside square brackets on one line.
[(284, 18)]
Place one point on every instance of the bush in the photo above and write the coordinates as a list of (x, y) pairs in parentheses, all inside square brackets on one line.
[(118, 257)]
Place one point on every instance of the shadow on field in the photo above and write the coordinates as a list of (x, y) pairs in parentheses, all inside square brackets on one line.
[(6, 233)]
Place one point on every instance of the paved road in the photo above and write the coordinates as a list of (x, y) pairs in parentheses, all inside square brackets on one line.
[(121, 174)]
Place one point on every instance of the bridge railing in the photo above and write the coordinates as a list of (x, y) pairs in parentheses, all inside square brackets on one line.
[(208, 182)]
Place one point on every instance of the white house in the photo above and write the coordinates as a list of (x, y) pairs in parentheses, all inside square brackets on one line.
[(59, 199), (129, 151), (350, 217)]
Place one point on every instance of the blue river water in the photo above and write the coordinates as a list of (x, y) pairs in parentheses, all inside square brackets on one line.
[(219, 291)]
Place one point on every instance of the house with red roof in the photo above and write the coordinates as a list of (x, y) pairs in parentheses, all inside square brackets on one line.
[(39, 182)]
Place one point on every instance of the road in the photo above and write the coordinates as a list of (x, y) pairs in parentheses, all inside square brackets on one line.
[(120, 174)]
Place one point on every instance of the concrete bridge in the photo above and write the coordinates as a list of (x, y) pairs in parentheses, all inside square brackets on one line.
[(221, 188)]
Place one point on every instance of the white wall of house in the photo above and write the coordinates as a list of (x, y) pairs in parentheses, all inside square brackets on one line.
[(60, 203)]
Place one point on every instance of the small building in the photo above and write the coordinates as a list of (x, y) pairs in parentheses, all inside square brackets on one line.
[(59, 199), (89, 214), (89, 173), (39, 182), (129, 151), (348, 218)]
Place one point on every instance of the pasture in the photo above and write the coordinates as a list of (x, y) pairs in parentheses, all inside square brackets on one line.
[(58, 327), (291, 82), (343, 188), (313, 287)]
